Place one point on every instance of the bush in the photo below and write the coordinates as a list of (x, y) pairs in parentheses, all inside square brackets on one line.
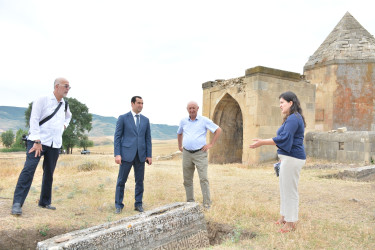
[(8, 150), (7, 138)]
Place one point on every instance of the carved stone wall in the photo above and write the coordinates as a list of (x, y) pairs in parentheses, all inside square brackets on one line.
[(175, 226)]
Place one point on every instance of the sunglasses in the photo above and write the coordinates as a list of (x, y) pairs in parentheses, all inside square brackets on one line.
[(66, 86)]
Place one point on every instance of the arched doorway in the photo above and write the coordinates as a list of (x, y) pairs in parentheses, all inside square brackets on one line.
[(228, 116)]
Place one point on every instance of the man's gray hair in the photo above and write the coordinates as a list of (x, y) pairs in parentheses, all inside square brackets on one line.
[(59, 80), (192, 102)]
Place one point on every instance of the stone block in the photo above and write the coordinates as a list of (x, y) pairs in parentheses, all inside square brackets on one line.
[(176, 226), (315, 153), (260, 85), (341, 156), (310, 106), (342, 130), (359, 146), (332, 151), (360, 173), (308, 147), (355, 156), (348, 145)]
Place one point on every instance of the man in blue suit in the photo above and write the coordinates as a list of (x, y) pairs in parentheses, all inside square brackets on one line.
[(132, 148)]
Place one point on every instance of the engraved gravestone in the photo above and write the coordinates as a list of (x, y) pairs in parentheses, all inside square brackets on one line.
[(175, 226)]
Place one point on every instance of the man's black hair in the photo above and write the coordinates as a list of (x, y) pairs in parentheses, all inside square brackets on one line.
[(134, 98)]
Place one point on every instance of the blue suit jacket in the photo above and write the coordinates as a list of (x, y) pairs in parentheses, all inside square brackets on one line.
[(128, 141)]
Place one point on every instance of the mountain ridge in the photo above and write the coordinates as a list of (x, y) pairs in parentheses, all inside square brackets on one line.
[(14, 118)]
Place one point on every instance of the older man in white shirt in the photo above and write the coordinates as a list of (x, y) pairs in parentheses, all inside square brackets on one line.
[(49, 117)]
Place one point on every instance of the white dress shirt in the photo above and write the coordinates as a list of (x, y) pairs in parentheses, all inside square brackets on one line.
[(50, 133)]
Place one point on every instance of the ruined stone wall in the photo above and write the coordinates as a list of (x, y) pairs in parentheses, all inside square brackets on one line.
[(348, 147), (344, 96), (248, 107)]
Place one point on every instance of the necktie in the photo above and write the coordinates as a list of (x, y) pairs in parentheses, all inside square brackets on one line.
[(137, 123)]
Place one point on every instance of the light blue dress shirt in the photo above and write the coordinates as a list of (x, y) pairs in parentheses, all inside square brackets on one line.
[(194, 132)]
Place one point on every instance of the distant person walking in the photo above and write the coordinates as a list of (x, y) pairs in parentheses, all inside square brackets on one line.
[(132, 146), (48, 120), (291, 152), (191, 136)]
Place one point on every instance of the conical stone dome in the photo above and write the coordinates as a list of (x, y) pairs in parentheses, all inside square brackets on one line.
[(349, 42)]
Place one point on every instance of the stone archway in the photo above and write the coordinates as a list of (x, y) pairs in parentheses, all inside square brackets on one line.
[(228, 116)]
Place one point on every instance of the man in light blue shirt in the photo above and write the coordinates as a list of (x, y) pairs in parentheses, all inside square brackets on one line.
[(191, 136)]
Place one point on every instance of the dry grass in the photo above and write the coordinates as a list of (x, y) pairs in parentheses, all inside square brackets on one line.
[(334, 214)]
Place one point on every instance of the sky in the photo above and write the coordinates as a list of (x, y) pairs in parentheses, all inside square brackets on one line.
[(160, 50)]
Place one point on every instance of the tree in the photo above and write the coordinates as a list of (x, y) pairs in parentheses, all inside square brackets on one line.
[(80, 122), (19, 143), (7, 138), (28, 114), (85, 142)]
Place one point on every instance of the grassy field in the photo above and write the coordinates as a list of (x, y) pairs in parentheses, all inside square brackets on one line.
[(334, 213)]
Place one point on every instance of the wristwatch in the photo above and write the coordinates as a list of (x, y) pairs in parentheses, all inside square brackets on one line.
[(37, 142)]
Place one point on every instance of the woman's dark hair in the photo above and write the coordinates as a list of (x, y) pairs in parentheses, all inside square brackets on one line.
[(296, 106)]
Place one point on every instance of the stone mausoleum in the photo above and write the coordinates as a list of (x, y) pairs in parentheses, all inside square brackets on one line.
[(248, 107), (342, 69), (336, 90)]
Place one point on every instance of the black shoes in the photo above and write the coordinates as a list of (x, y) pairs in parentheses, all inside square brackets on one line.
[(139, 209), (118, 210), (16, 209), (48, 207)]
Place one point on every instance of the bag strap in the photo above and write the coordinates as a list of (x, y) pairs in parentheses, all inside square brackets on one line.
[(51, 115), (66, 105)]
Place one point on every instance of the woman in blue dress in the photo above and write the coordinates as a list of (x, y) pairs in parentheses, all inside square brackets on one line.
[(291, 152)]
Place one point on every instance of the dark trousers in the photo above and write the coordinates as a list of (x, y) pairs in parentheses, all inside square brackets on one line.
[(27, 174), (139, 173)]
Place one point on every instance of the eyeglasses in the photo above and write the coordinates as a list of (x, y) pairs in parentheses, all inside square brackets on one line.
[(66, 86)]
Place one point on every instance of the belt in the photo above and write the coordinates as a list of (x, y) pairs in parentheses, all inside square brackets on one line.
[(193, 151)]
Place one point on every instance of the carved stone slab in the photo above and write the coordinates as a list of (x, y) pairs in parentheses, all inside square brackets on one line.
[(175, 226)]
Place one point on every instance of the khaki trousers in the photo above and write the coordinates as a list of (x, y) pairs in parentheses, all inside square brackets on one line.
[(190, 161), (290, 169)]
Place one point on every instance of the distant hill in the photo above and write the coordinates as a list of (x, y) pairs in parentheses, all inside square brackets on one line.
[(14, 118)]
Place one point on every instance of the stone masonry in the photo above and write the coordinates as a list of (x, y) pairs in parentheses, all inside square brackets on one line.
[(176, 226), (347, 147), (342, 69), (248, 107)]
